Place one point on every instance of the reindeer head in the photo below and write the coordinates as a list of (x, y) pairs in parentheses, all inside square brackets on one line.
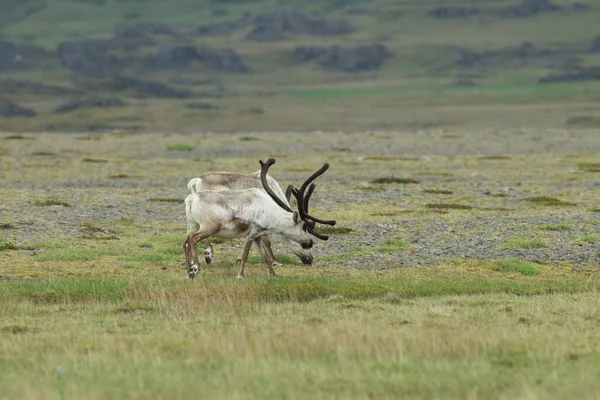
[(304, 224)]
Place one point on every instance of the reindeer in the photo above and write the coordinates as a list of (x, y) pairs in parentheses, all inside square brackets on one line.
[(250, 213), (238, 181)]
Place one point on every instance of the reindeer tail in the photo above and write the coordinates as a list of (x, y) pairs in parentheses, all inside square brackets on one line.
[(194, 185)]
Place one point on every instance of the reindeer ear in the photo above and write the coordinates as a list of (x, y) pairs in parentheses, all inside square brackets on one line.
[(297, 218)]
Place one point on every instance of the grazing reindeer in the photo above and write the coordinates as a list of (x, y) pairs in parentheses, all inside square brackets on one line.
[(249, 213), (237, 181)]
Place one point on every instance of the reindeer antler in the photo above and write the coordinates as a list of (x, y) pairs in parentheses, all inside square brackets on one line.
[(264, 167), (303, 198)]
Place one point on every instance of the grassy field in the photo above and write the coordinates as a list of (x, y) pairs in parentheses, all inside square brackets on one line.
[(428, 289)]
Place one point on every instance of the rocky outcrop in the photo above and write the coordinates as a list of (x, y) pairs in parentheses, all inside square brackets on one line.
[(347, 59), (9, 109), (580, 74), (452, 12), (184, 56), (89, 58), (90, 103), (284, 24), (141, 87), (13, 86)]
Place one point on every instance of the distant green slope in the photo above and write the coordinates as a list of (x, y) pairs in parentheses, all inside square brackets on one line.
[(433, 62)]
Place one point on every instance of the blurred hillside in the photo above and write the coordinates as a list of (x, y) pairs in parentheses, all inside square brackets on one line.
[(191, 65)]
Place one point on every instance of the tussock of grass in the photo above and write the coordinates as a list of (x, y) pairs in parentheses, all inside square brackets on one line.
[(547, 201), (493, 158), (448, 206), (94, 160), (42, 153), (589, 167), (587, 240), (382, 158), (130, 307), (437, 191), (394, 180), (16, 329), (334, 230), (50, 202), (556, 227), (393, 244), (18, 137), (90, 227), (8, 246), (6, 226), (526, 244), (179, 147), (520, 266), (121, 176), (165, 200)]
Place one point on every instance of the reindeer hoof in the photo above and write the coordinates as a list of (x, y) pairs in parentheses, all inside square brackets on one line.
[(275, 264), (208, 259), (193, 272), (239, 276), (238, 260)]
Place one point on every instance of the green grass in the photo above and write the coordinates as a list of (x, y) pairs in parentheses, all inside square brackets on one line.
[(526, 244), (146, 335), (448, 206), (50, 202), (393, 244), (437, 191), (556, 227), (76, 254), (520, 266), (179, 147), (547, 201)]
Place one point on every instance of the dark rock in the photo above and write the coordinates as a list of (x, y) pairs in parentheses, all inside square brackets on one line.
[(182, 56), (355, 59), (513, 57), (580, 74), (529, 8), (463, 82), (89, 58), (143, 30), (9, 55), (283, 24), (147, 88), (201, 106), (219, 29), (452, 12), (225, 59), (595, 44), (89, 103), (175, 56), (308, 53), (20, 56), (11, 109), (256, 111), (13, 86)]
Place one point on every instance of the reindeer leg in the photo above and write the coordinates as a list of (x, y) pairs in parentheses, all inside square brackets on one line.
[(208, 251), (186, 251), (266, 256), (247, 246), (266, 239), (192, 248)]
